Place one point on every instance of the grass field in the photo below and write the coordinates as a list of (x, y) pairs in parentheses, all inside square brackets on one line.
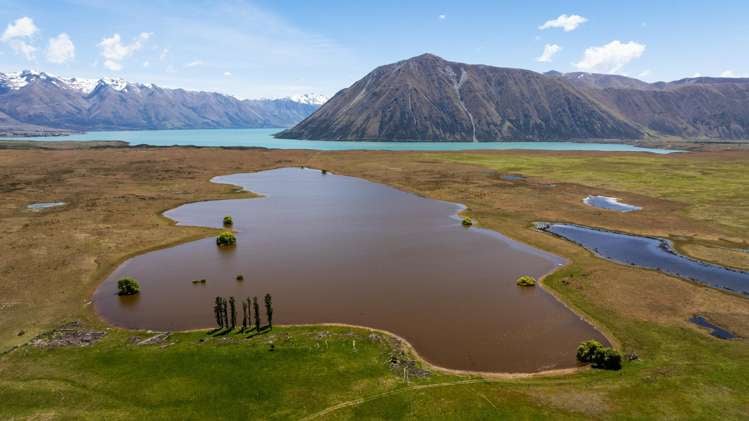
[(53, 260)]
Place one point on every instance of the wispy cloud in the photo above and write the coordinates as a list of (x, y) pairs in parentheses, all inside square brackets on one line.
[(566, 22), (114, 51), (549, 51), (21, 28), (18, 35), (60, 49), (195, 63)]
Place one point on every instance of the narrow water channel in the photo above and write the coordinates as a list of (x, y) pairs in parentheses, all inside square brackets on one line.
[(651, 253), (340, 249)]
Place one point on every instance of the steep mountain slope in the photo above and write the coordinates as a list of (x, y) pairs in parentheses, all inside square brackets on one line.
[(112, 104), (428, 98)]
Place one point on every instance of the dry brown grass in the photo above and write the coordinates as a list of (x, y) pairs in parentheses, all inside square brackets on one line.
[(54, 259)]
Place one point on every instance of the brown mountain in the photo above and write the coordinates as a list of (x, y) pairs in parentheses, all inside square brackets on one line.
[(428, 98)]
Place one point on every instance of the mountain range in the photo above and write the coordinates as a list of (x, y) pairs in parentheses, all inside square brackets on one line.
[(35, 103), (429, 98)]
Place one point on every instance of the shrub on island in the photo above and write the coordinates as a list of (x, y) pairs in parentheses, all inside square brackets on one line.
[(526, 281), (599, 356), (226, 239), (128, 286), (228, 221), (467, 221)]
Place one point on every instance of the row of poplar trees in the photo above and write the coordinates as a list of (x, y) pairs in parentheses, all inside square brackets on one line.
[(226, 312)]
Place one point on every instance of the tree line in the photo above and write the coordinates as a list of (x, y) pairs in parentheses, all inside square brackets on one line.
[(225, 312)]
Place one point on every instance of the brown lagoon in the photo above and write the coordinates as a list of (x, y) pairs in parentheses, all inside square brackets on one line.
[(336, 249)]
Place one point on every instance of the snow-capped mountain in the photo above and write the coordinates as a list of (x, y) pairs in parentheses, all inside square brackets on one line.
[(18, 80), (313, 99), (40, 99)]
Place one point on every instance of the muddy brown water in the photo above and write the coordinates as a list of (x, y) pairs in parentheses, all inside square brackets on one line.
[(339, 249)]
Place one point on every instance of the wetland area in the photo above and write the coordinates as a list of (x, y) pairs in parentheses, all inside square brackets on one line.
[(55, 260)]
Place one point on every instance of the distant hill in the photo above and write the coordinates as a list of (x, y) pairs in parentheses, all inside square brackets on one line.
[(429, 98), (37, 102)]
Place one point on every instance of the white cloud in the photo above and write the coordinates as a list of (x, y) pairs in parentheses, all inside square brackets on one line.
[(610, 58), (21, 28), (698, 74), (17, 34), (644, 73), (25, 49), (227, 74), (114, 51), (566, 22), (60, 49), (146, 63), (732, 73), (549, 51), (163, 54), (195, 63), (442, 17)]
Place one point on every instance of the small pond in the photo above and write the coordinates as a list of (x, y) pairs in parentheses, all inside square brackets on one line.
[(715, 330), (650, 253), (339, 249), (44, 205), (610, 203), (512, 177)]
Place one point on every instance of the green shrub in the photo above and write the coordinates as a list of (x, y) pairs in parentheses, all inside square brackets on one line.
[(240, 277), (526, 281), (226, 239), (127, 286), (467, 221), (587, 350), (600, 356), (228, 221), (607, 359)]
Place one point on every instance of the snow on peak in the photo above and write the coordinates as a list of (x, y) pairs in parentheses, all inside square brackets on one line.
[(17, 80), (312, 99), (117, 84), (82, 85)]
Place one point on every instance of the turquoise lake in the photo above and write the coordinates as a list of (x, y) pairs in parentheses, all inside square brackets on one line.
[(264, 138)]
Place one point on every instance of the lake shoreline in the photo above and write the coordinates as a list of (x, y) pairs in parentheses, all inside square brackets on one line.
[(460, 210)]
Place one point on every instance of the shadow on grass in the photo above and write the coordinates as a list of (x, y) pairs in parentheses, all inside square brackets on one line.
[(248, 332)]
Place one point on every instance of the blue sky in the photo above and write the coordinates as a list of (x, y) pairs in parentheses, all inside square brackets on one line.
[(274, 48)]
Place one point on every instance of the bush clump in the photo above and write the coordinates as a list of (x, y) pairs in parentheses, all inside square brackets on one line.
[(228, 221), (240, 277), (599, 356), (526, 281), (128, 286), (467, 221), (226, 239), (608, 359)]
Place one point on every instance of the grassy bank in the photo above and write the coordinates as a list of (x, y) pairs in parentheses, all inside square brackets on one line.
[(53, 260)]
